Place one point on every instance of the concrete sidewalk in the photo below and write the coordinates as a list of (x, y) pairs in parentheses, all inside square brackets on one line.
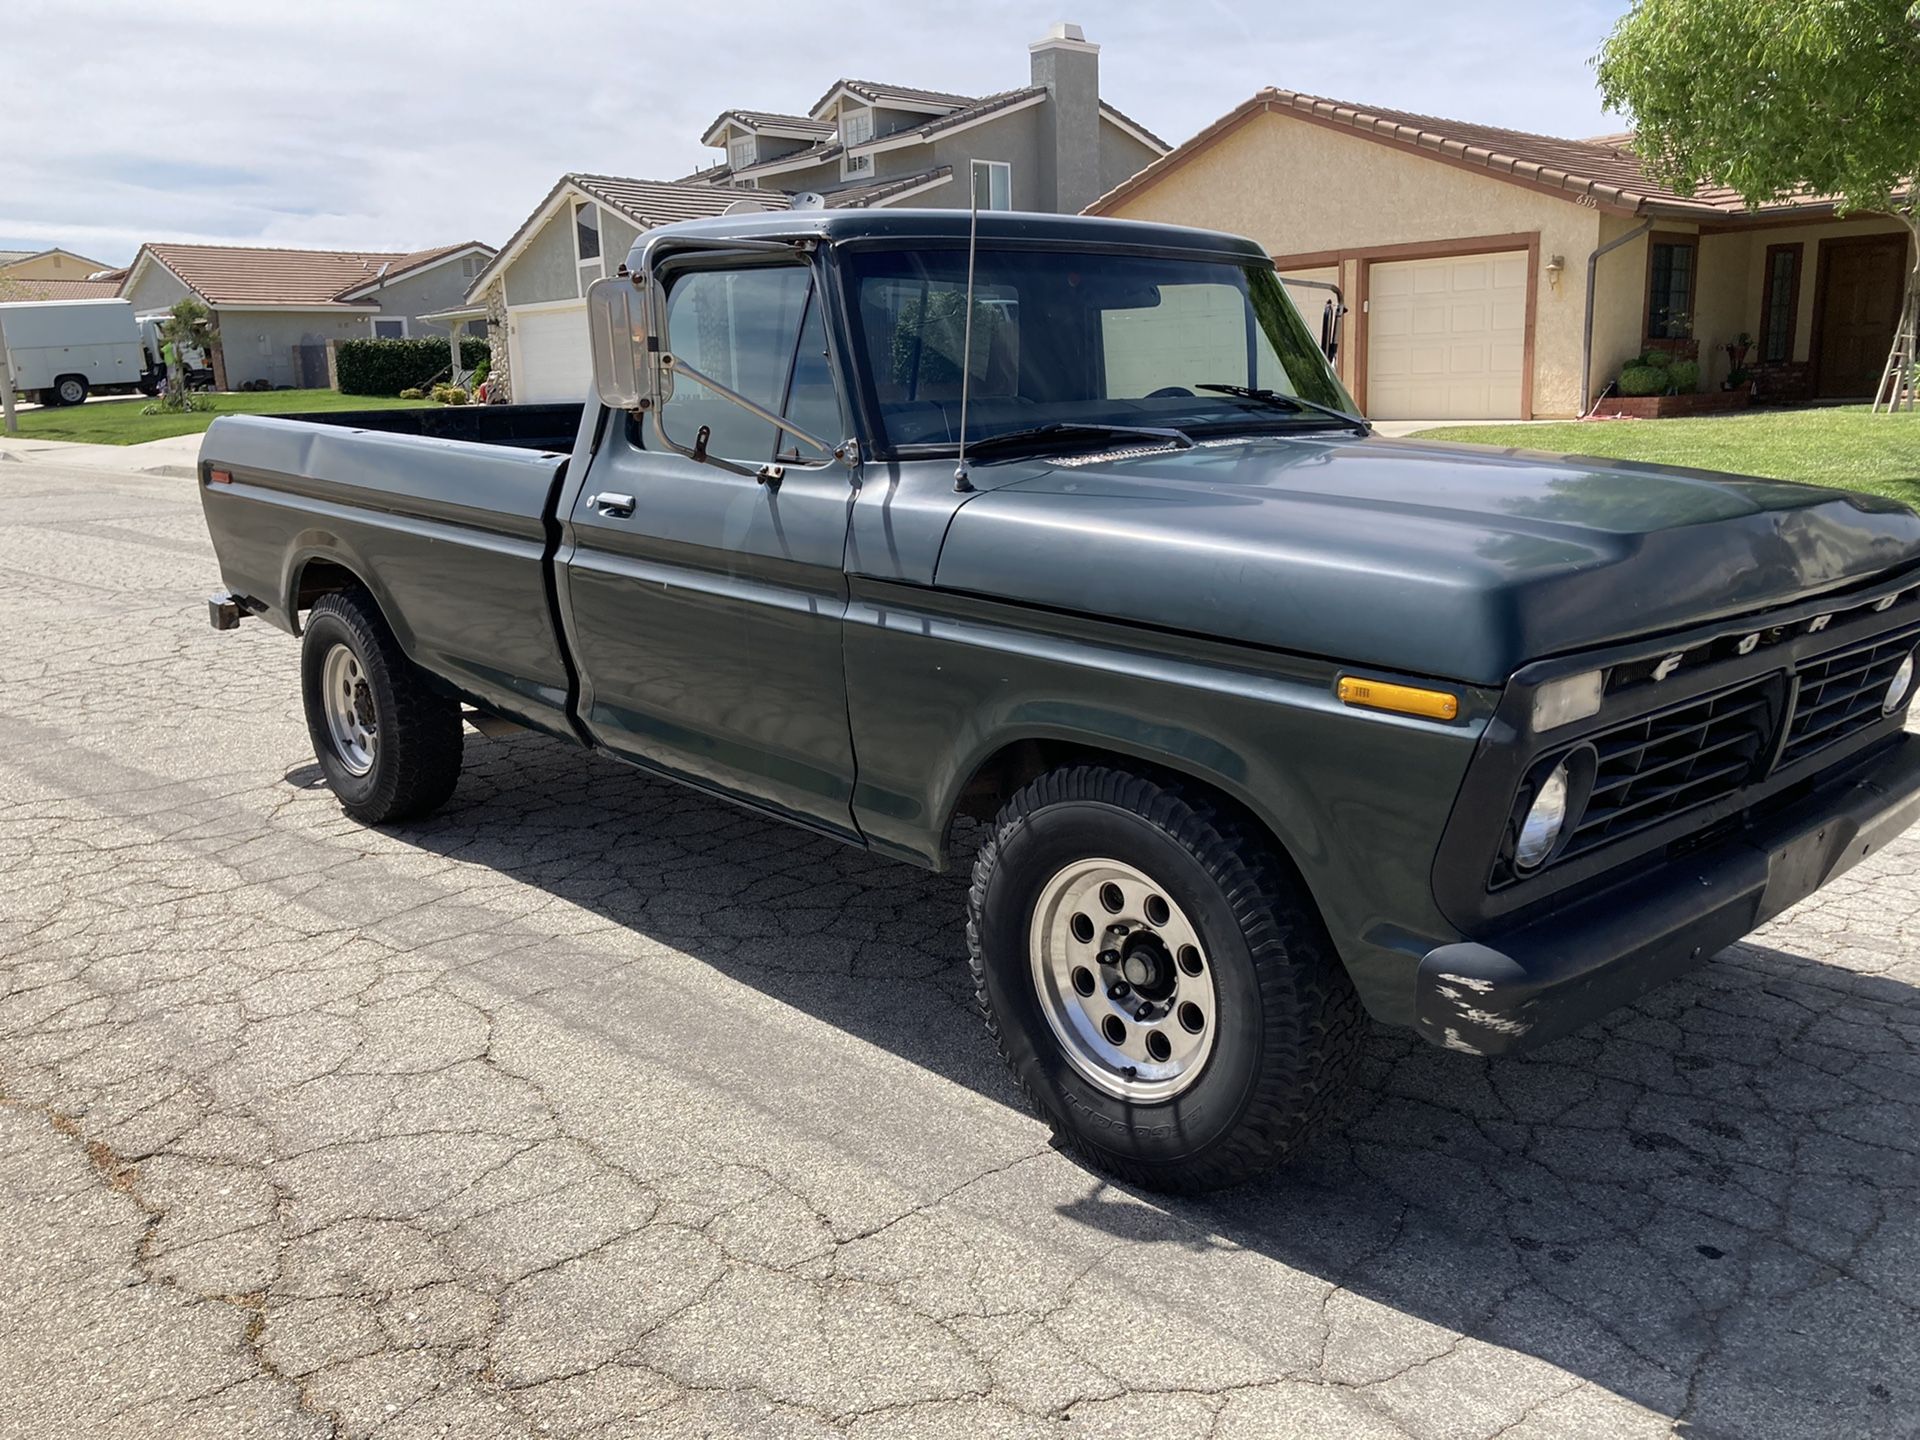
[(176, 457)]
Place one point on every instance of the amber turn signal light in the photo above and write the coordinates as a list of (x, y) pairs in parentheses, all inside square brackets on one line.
[(1402, 699)]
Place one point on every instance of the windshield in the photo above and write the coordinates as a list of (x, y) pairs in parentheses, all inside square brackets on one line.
[(1080, 338)]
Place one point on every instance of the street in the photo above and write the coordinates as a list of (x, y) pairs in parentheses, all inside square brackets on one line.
[(594, 1106)]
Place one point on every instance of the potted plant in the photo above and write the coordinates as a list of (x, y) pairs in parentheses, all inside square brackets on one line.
[(1737, 350)]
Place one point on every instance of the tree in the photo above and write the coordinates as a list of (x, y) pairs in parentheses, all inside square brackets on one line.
[(189, 325), (1776, 97)]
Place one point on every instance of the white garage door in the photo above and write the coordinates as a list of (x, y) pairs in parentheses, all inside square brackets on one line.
[(1447, 338), (549, 353)]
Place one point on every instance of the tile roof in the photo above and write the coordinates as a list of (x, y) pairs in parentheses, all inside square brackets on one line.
[(768, 120), (1604, 168), (12, 288), (974, 110), (659, 202), (816, 154), (879, 93), (8, 257), (878, 192), (408, 263), (241, 275)]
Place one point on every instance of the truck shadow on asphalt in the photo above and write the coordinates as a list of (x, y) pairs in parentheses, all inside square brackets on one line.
[(1706, 1203)]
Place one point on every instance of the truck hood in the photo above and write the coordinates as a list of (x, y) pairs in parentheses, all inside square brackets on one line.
[(1430, 559)]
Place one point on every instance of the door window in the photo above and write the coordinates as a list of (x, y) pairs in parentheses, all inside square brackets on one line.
[(756, 332)]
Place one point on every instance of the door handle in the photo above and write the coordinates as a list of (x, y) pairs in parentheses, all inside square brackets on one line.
[(607, 503)]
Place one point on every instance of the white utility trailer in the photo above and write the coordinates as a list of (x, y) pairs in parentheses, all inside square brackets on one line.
[(61, 351)]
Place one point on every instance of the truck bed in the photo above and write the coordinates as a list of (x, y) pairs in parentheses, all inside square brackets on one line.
[(453, 535)]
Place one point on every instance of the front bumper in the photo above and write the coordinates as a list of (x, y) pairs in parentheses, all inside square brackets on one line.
[(1552, 975)]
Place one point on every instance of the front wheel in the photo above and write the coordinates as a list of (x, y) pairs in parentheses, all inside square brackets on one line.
[(71, 389), (1159, 982), (389, 745)]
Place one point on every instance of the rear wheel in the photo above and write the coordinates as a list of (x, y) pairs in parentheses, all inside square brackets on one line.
[(389, 745), (1159, 982), (71, 389)]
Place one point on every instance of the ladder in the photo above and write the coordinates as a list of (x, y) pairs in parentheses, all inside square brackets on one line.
[(1897, 381)]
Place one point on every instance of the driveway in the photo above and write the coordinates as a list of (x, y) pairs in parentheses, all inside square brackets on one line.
[(592, 1106)]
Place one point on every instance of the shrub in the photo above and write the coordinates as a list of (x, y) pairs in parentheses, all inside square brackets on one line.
[(1655, 359), (1643, 380), (413, 392), (386, 367), (453, 395), (1683, 376)]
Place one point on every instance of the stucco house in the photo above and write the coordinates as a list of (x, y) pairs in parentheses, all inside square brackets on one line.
[(1500, 274), (50, 264), (278, 309), (1051, 145), (55, 275)]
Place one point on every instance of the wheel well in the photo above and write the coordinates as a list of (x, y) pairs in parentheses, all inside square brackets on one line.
[(322, 577), (1004, 772)]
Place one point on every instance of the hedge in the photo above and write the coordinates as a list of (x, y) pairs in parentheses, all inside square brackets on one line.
[(386, 367)]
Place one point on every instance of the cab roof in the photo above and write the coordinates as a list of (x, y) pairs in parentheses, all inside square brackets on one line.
[(836, 226)]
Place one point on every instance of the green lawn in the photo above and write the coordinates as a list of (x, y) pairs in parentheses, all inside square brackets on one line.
[(1848, 447), (119, 422)]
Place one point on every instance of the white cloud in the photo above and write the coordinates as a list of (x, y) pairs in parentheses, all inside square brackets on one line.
[(380, 126)]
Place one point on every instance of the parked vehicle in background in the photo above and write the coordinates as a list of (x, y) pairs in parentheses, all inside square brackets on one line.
[(1272, 724), (199, 371), (61, 351)]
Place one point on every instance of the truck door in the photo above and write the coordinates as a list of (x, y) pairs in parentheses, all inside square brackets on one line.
[(707, 606)]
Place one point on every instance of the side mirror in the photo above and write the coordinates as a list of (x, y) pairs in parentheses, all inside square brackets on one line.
[(617, 324)]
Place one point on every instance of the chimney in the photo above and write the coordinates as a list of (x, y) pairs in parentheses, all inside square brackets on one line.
[(1068, 65)]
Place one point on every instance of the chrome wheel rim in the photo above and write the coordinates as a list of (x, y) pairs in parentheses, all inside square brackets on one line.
[(1123, 979), (347, 699)]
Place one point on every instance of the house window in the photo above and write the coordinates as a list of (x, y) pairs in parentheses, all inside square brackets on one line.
[(1671, 263), (470, 265), (477, 328), (856, 128), (993, 185), (586, 243), (1780, 303), (586, 232), (390, 329), (740, 151)]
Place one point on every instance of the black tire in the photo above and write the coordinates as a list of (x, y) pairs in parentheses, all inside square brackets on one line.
[(418, 738), (70, 389), (1288, 1023)]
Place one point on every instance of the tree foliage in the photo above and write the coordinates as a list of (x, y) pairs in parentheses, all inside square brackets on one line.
[(189, 324), (1770, 97)]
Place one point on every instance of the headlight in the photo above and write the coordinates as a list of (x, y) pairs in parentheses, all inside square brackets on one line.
[(1540, 831), (1898, 687)]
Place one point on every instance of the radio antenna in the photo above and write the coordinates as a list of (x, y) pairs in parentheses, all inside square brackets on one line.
[(961, 481)]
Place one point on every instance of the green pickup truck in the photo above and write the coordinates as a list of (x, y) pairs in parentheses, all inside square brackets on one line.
[(878, 524)]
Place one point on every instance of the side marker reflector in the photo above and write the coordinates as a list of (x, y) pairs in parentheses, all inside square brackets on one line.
[(1402, 699), (219, 477)]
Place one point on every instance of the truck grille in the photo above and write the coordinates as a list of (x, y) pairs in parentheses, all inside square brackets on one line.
[(1840, 695), (1675, 760)]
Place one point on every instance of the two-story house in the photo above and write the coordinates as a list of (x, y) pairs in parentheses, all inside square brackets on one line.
[(1050, 145)]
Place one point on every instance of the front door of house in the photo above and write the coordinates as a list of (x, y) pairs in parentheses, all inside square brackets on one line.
[(1861, 285)]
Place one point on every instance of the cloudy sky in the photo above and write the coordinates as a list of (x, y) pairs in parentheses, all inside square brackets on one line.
[(394, 127)]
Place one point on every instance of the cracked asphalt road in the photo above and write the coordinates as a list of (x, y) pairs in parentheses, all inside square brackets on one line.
[(594, 1107)]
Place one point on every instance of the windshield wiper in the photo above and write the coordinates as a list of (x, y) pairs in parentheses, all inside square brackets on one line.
[(1282, 401), (1076, 430)]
